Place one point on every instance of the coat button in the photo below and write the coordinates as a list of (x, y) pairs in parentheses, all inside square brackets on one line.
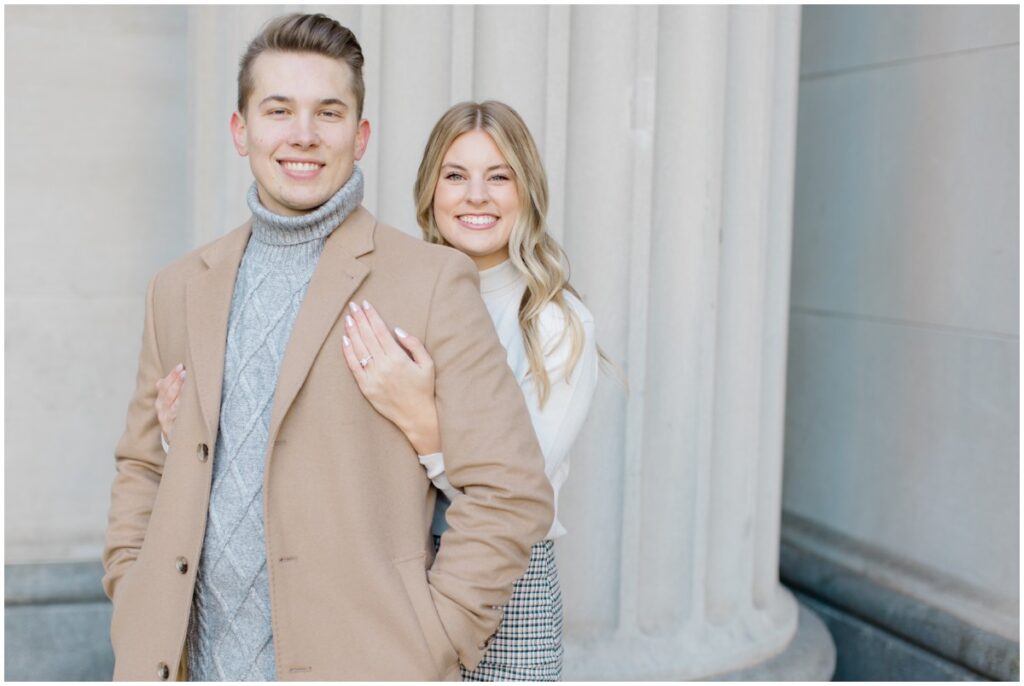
[(202, 452), (181, 564), (163, 671)]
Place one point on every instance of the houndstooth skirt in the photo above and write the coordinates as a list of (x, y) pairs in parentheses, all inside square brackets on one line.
[(528, 645)]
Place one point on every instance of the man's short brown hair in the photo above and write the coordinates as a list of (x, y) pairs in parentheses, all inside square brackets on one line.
[(315, 33)]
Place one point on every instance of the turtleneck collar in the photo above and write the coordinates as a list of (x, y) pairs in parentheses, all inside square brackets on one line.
[(273, 229), (499, 277)]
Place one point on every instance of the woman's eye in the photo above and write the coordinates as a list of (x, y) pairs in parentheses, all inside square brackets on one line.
[(454, 176), (499, 177)]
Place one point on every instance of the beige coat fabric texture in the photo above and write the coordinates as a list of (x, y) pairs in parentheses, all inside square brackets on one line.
[(356, 593)]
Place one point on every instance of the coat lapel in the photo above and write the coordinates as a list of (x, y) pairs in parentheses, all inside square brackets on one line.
[(208, 304), (338, 274)]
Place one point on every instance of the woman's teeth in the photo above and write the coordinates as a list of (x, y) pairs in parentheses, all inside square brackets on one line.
[(479, 220)]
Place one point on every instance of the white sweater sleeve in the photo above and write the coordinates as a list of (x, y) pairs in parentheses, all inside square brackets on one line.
[(559, 422), (434, 464)]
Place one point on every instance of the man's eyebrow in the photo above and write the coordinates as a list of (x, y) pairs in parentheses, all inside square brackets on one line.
[(286, 99), (334, 101), (278, 98)]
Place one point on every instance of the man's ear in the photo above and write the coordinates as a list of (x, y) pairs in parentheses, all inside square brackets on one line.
[(362, 138), (238, 134)]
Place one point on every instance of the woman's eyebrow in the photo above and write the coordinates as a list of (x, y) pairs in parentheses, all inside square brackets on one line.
[(455, 165)]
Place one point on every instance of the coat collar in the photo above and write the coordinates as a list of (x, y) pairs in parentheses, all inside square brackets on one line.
[(208, 305)]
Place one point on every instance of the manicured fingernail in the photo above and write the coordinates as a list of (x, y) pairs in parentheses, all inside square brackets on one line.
[(353, 307), (349, 320), (399, 332), (182, 375), (346, 341), (180, 366), (366, 305)]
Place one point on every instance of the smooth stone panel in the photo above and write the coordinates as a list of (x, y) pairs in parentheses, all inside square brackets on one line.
[(908, 437), (95, 188), (71, 367), (907, 204), (857, 36), (219, 177)]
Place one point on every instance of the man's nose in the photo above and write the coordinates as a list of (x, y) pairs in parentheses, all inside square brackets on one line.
[(304, 132)]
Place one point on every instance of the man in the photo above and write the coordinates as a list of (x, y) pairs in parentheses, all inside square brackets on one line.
[(285, 533)]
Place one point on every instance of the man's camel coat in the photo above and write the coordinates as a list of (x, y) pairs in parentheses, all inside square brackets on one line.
[(355, 592)]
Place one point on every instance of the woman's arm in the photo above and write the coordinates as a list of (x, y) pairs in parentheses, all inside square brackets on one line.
[(396, 376), (559, 421), (434, 464)]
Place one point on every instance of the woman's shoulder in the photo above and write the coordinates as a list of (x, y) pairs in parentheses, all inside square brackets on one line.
[(552, 319)]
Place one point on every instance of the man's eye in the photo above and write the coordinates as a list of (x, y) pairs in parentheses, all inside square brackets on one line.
[(330, 114), (276, 111)]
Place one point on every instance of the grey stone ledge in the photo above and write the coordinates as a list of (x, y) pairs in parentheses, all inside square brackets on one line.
[(899, 614), (53, 582)]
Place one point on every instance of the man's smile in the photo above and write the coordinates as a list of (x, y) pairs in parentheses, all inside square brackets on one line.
[(301, 169)]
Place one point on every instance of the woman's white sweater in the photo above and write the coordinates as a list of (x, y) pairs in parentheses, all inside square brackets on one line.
[(559, 422)]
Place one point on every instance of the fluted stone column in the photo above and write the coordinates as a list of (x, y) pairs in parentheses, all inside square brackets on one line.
[(684, 584), (668, 134)]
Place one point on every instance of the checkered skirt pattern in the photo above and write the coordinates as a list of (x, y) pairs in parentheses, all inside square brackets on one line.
[(528, 645)]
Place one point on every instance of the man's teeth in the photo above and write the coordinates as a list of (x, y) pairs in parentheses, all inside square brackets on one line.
[(480, 220), (301, 166)]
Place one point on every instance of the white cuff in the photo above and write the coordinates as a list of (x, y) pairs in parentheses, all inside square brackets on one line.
[(434, 464)]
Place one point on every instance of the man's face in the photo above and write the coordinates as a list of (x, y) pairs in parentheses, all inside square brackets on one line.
[(301, 131)]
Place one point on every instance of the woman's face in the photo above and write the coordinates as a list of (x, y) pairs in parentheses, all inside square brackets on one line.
[(476, 201)]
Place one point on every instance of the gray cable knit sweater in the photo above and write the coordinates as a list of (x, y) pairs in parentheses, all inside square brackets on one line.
[(230, 630)]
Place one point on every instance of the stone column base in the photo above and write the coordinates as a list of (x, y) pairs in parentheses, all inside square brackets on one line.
[(810, 656), (786, 642)]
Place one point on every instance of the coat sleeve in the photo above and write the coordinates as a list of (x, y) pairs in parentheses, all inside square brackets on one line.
[(491, 455), (139, 459)]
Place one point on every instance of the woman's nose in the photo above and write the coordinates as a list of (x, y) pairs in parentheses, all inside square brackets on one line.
[(476, 191)]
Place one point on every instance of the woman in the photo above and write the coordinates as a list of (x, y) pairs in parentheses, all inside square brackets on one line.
[(481, 188)]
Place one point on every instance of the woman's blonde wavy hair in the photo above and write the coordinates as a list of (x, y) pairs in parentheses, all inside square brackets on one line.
[(532, 250)]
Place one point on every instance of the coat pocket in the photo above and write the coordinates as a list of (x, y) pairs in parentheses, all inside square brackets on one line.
[(123, 610), (413, 572)]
